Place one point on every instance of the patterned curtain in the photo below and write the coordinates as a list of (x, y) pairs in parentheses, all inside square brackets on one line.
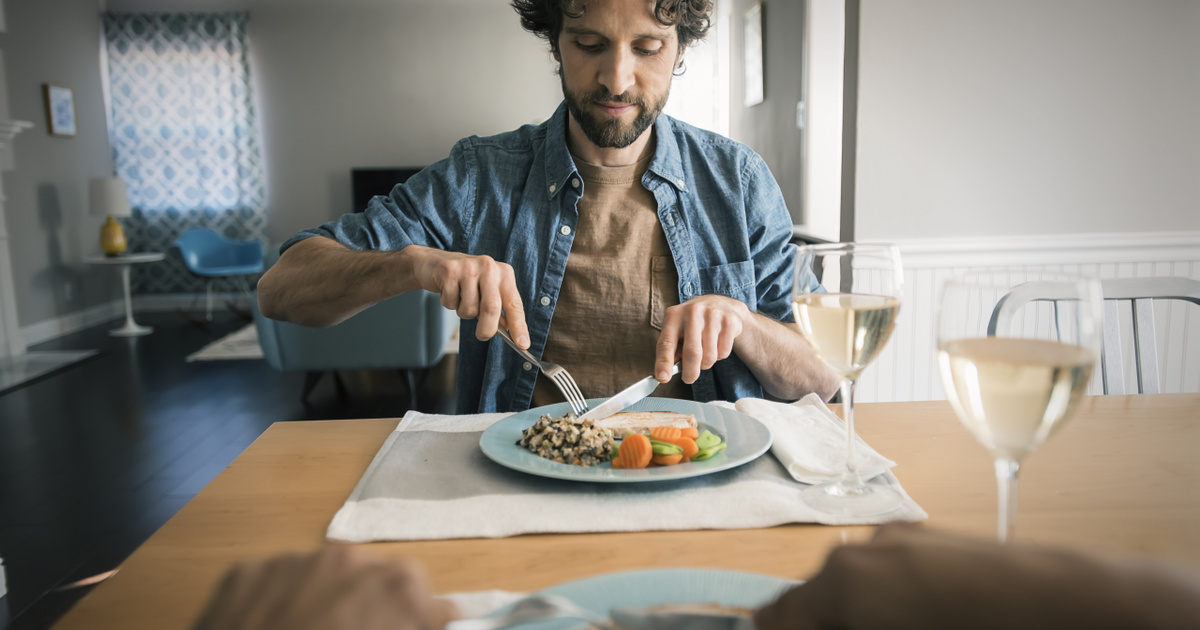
[(183, 134)]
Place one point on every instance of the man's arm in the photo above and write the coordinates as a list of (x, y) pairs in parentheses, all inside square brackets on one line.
[(707, 328), (320, 282)]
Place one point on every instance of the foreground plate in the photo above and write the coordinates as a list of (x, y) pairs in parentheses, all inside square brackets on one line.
[(655, 587), (746, 437)]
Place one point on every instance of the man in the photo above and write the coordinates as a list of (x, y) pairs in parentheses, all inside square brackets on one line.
[(610, 239)]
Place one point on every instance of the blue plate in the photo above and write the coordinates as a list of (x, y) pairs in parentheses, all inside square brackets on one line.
[(746, 439), (656, 587)]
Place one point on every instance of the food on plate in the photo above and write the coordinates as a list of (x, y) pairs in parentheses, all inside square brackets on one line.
[(635, 452), (659, 438), (626, 422), (673, 435), (566, 440)]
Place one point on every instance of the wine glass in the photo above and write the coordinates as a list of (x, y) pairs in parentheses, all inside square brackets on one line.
[(847, 327), (1016, 351)]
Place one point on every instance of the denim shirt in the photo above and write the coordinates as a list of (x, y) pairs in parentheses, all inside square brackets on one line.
[(514, 197)]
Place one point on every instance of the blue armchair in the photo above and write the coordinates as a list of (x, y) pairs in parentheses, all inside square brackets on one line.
[(210, 255), (408, 333)]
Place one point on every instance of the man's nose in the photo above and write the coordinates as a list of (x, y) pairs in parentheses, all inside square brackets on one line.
[(617, 71)]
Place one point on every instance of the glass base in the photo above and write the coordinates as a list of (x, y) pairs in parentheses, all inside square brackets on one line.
[(842, 499)]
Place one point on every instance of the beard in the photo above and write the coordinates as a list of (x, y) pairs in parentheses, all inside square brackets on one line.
[(611, 133)]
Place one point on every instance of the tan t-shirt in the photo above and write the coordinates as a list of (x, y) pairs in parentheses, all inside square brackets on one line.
[(619, 281)]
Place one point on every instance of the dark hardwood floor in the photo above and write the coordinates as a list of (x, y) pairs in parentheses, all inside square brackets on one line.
[(96, 457)]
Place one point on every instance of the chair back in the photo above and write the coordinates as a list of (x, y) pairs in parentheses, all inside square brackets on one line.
[(207, 253), (409, 331), (1135, 294)]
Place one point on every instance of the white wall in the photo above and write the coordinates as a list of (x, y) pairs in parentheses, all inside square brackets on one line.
[(823, 136), (981, 118)]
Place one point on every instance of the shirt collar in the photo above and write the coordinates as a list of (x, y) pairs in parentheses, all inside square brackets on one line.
[(666, 164)]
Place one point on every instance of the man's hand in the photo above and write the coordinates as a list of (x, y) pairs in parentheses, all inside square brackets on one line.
[(700, 332), (338, 588), (708, 328), (473, 286), (911, 577)]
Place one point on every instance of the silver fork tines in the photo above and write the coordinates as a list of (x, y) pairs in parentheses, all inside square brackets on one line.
[(555, 372)]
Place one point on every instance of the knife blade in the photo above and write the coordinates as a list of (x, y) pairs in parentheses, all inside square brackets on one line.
[(650, 619), (626, 397)]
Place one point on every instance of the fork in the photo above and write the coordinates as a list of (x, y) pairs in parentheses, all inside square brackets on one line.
[(536, 607), (555, 372)]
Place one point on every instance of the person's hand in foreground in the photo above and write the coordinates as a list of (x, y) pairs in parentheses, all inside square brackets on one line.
[(339, 587), (911, 577)]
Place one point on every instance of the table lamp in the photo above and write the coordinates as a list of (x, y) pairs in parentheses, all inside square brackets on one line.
[(107, 198)]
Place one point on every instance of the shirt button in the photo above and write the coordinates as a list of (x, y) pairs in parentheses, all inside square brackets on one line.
[(687, 289), (553, 187), (575, 182), (680, 182), (564, 230), (545, 301), (527, 366)]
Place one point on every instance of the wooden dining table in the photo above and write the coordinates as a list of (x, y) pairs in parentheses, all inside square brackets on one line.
[(1122, 479)]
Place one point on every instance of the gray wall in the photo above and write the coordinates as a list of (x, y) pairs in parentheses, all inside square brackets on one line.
[(50, 231), (770, 127), (384, 86), (985, 118)]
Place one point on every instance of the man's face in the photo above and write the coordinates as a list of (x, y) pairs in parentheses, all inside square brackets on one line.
[(616, 69)]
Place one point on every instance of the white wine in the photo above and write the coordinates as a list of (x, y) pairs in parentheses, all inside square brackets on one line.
[(1013, 393), (846, 329)]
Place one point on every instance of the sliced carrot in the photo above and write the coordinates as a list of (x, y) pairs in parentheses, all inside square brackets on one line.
[(667, 460), (665, 433), (689, 448), (690, 433), (635, 452)]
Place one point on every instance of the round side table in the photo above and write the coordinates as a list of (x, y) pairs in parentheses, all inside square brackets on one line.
[(126, 262)]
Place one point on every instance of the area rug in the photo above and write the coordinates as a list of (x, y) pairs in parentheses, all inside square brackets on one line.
[(238, 345), (243, 345)]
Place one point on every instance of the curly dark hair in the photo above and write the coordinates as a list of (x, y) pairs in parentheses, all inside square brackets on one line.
[(544, 18)]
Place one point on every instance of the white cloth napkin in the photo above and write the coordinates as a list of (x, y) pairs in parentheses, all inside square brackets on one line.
[(430, 481), (810, 441)]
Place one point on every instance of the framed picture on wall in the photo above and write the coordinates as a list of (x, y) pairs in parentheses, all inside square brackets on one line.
[(60, 110), (752, 28)]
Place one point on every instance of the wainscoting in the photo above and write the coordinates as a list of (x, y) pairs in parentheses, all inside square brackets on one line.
[(907, 368)]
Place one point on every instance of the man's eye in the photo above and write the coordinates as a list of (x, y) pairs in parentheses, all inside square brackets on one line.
[(648, 52), (588, 47)]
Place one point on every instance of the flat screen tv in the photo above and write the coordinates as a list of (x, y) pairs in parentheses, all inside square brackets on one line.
[(368, 182)]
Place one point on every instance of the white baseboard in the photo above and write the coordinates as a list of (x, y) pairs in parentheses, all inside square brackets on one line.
[(71, 322), (56, 327), (192, 302)]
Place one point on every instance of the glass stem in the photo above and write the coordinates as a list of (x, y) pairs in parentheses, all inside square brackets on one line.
[(852, 479), (1006, 493)]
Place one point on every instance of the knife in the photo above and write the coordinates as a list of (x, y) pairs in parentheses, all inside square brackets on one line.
[(626, 397), (651, 619)]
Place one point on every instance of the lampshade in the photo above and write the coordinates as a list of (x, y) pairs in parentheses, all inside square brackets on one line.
[(106, 196)]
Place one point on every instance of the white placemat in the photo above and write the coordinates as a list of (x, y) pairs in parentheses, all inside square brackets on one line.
[(431, 481)]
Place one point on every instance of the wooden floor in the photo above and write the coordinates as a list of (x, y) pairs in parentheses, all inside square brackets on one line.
[(96, 457)]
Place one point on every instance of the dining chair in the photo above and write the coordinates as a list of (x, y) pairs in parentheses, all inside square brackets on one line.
[(210, 255), (1139, 294)]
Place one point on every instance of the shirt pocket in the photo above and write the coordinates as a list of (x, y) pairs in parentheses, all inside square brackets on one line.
[(664, 288), (735, 280)]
